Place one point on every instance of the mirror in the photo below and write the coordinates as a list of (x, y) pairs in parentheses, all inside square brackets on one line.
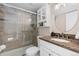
[(66, 21), (71, 20), (60, 22)]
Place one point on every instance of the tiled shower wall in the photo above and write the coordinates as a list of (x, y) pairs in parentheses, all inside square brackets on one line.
[(15, 28)]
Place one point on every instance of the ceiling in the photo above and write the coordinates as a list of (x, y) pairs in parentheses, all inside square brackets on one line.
[(28, 6)]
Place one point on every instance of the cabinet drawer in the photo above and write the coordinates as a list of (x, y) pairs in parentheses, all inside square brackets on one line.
[(59, 50)]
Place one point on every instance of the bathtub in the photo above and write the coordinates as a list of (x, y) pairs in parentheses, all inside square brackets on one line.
[(16, 52)]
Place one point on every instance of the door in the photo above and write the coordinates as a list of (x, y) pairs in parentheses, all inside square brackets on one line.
[(43, 52)]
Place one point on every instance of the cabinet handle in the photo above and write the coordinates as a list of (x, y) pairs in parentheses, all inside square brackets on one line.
[(49, 54)]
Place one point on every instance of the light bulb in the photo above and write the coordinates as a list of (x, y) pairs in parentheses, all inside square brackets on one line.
[(58, 6)]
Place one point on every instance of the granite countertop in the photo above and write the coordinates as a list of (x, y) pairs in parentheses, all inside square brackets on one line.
[(72, 45)]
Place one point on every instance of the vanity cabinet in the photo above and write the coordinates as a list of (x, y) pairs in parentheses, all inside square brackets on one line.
[(45, 51), (50, 49)]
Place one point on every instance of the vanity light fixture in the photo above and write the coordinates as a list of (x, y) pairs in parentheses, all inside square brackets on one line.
[(59, 5)]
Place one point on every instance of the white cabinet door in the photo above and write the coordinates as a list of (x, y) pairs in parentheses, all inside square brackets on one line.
[(43, 52), (46, 52), (44, 16)]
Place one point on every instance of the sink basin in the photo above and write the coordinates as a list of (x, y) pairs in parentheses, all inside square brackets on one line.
[(60, 40)]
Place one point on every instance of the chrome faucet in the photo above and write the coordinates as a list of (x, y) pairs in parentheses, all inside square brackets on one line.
[(58, 35), (62, 35)]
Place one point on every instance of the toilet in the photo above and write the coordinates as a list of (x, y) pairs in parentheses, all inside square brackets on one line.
[(32, 51)]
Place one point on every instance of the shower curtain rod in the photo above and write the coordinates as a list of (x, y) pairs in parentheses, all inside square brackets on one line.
[(8, 5)]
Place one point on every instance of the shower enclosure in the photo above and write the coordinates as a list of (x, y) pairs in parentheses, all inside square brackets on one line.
[(17, 28)]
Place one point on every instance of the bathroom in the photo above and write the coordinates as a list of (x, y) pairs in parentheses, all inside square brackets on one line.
[(39, 29)]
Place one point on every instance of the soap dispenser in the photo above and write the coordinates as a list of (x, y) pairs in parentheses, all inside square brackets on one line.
[(77, 35)]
